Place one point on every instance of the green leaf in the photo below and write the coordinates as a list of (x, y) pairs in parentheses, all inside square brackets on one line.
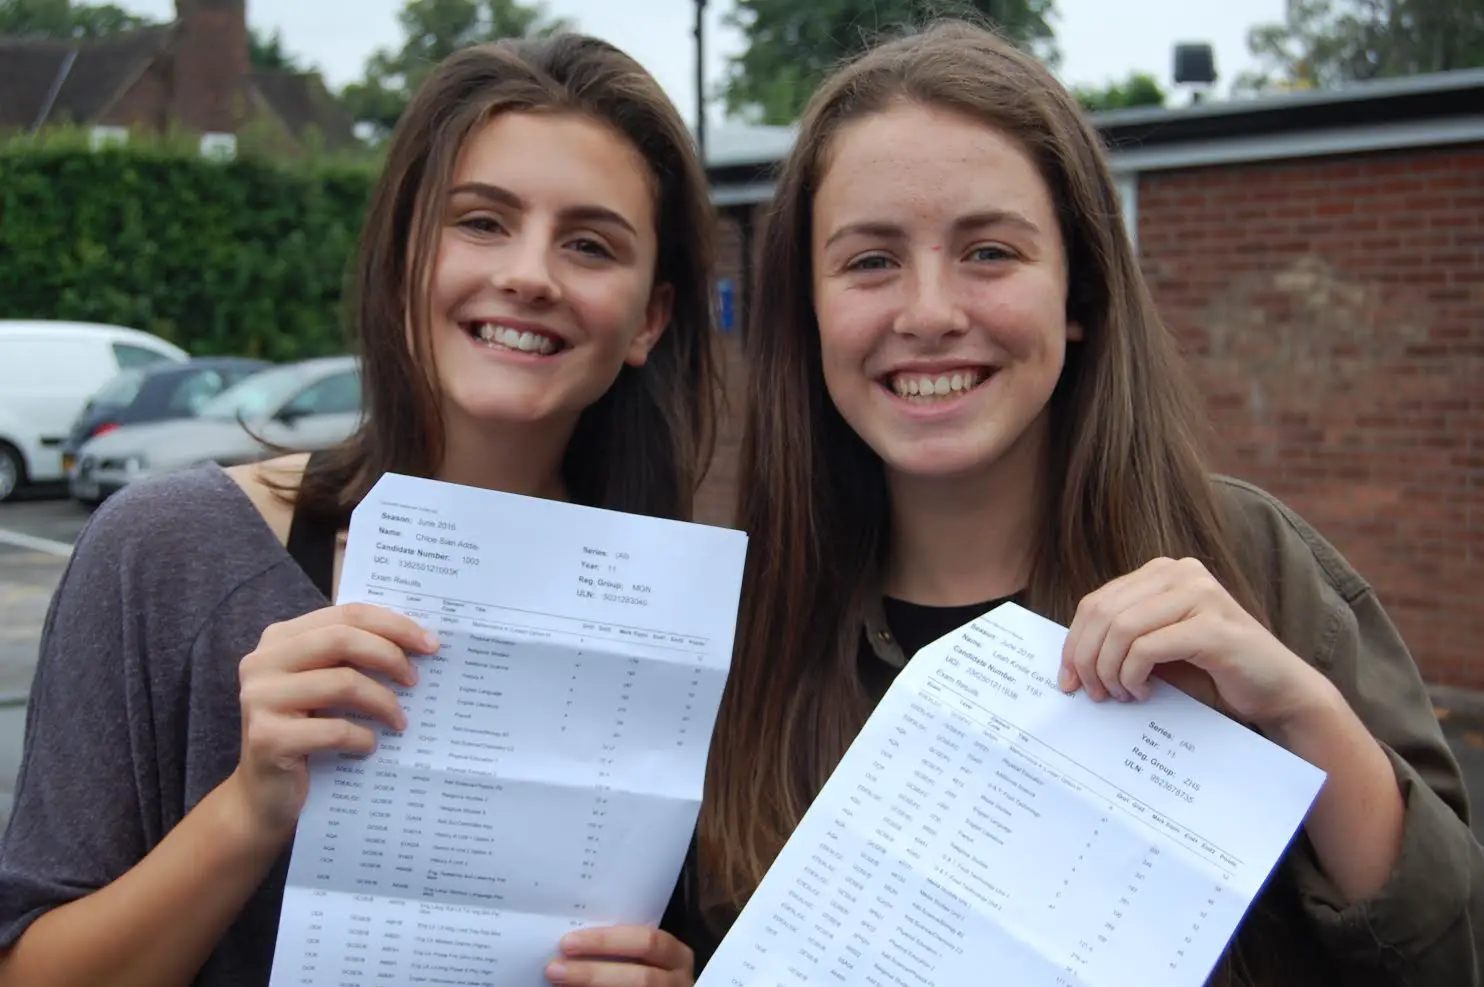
[(246, 257)]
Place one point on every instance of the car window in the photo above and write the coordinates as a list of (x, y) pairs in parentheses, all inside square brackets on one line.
[(119, 392), (194, 390), (130, 356), (255, 395), (337, 394)]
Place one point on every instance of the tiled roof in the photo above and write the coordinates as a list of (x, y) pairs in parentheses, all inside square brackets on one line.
[(74, 81), (302, 102), (90, 73)]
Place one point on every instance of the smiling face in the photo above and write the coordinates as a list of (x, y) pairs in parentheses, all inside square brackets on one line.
[(542, 286), (940, 288)]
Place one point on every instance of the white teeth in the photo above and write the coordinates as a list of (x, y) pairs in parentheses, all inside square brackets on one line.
[(928, 387), (515, 339)]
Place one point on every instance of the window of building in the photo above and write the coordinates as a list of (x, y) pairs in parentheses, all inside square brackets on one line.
[(222, 147), (100, 137)]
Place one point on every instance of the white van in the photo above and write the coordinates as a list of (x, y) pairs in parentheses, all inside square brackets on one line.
[(48, 370)]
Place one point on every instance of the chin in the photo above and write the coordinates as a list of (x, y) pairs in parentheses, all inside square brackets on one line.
[(918, 468), (931, 461), (501, 409)]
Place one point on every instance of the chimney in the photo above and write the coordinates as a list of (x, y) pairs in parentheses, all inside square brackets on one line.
[(209, 91)]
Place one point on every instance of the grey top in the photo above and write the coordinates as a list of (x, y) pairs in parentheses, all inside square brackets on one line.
[(134, 713)]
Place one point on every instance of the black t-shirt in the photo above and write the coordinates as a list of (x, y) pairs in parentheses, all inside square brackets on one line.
[(914, 626)]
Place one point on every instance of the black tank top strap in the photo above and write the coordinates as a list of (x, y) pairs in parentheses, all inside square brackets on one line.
[(312, 544)]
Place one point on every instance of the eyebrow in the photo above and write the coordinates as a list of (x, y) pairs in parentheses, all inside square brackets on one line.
[(573, 214), (974, 221)]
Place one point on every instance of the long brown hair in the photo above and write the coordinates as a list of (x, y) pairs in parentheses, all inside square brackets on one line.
[(1127, 482), (643, 447)]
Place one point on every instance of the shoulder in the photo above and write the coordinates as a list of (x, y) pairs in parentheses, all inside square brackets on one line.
[(1276, 539), (266, 486), (151, 572), (175, 536), (1313, 596)]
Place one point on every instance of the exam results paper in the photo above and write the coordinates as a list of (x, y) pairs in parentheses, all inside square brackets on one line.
[(551, 771), (983, 821)]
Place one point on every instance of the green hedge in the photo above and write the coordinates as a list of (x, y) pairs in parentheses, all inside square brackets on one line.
[(244, 257)]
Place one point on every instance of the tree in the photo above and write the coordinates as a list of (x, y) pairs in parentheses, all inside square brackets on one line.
[(1139, 89), (266, 51), (1327, 43), (64, 19), (433, 30), (83, 22), (793, 44)]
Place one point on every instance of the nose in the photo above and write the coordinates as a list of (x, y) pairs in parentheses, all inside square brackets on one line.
[(523, 272), (932, 310)]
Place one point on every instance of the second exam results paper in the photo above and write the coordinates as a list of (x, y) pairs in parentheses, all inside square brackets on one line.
[(985, 821), (551, 771)]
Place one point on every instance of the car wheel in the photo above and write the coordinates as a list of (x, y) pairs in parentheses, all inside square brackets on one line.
[(12, 471)]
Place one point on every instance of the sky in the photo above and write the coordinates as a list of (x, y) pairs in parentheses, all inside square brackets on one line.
[(1101, 40)]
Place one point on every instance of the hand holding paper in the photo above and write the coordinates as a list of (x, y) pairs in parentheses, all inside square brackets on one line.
[(551, 770), (985, 820)]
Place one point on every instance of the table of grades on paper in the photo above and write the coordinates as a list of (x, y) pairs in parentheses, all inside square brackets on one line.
[(551, 770), (984, 820)]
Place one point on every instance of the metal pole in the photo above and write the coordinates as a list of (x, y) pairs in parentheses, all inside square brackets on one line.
[(701, 79)]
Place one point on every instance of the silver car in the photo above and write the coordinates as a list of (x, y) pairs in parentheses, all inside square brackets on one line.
[(301, 406)]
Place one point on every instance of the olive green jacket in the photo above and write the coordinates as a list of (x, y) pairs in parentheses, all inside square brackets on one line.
[(1426, 925)]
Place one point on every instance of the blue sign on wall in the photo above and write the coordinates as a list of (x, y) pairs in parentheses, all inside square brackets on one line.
[(726, 297)]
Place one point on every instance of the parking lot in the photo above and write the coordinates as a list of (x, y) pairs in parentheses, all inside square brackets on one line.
[(36, 535)]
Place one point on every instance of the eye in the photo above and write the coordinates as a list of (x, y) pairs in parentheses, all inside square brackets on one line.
[(988, 253), (591, 247), (481, 224), (869, 262)]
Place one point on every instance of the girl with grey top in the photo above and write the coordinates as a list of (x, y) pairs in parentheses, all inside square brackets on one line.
[(533, 315)]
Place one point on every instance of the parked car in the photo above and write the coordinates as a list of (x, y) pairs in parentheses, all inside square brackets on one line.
[(48, 370), (160, 392), (307, 405)]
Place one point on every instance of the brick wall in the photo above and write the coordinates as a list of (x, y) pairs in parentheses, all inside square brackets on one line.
[(211, 65), (1334, 311), (715, 500), (714, 504)]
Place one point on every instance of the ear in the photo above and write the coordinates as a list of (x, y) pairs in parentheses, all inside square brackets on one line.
[(656, 318), (1074, 332)]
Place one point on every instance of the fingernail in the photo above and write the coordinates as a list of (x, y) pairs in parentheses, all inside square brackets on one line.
[(1066, 679), (556, 972), (574, 940), (430, 642)]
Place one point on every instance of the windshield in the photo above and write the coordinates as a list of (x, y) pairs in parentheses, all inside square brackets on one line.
[(256, 396)]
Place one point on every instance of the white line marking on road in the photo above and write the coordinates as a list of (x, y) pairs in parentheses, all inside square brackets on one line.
[(20, 540)]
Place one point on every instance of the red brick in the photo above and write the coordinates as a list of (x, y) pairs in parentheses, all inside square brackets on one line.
[(1355, 303)]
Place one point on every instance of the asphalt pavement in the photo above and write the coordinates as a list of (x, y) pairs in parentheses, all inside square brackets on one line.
[(36, 535)]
